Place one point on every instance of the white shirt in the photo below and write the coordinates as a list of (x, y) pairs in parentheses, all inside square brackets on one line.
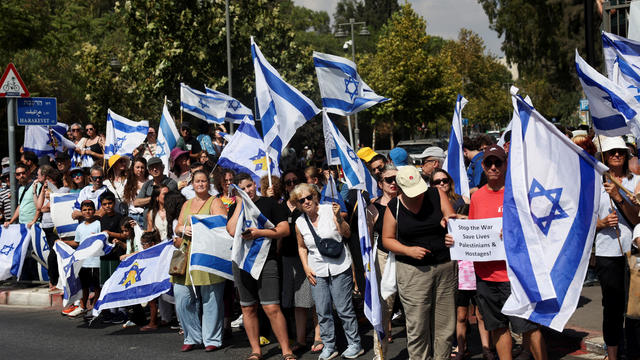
[(324, 266), (87, 193), (607, 239), (189, 193)]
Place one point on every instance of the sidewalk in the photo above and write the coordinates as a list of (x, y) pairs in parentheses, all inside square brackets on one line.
[(28, 294)]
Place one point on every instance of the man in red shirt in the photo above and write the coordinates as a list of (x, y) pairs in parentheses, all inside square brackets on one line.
[(493, 287)]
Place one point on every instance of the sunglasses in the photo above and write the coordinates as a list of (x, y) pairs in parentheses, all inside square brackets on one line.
[(75, 130), (77, 175), (390, 180), (291, 182), (379, 168), (20, 173), (490, 162), (444, 181), (95, 178), (304, 199), (429, 161), (616, 151), (89, 129)]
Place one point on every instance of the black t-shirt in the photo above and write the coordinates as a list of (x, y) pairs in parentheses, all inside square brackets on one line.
[(112, 223), (377, 226), (273, 211), (290, 243), (422, 229), (192, 145)]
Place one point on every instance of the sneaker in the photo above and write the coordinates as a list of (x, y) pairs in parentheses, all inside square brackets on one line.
[(129, 324), (328, 354), (76, 312), (69, 309), (237, 322), (352, 352), (396, 316)]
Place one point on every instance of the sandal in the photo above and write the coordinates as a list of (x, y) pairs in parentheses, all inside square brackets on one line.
[(315, 349), (289, 357), (254, 356)]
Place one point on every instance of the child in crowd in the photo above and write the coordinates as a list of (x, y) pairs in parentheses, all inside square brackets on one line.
[(149, 239)]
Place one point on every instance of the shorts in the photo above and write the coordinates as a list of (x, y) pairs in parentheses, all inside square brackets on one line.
[(266, 289), (490, 297), (296, 289), (89, 278), (465, 297)]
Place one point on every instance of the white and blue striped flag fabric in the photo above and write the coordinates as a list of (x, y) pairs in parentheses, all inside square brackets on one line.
[(41, 250), (70, 262), (168, 136), (617, 46), (372, 308), (283, 109), (246, 153), (354, 170), (330, 194), (61, 209), (454, 163), (250, 255), (47, 140), (343, 91), (527, 99), (210, 108), (613, 108), (371, 183), (14, 243), (551, 197), (236, 111), (123, 135), (139, 278), (211, 245), (627, 76)]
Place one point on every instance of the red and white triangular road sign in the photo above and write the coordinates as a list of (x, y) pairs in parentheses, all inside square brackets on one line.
[(11, 84)]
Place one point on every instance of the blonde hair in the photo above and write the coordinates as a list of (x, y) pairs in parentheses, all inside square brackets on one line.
[(296, 193)]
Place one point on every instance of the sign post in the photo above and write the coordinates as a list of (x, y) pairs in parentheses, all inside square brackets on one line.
[(12, 87)]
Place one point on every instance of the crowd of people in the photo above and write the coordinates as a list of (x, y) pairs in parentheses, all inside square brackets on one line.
[(314, 266)]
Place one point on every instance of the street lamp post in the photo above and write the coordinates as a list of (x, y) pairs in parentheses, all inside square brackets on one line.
[(363, 32), (228, 21)]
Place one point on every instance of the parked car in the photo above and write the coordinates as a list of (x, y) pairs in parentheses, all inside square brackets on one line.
[(416, 147)]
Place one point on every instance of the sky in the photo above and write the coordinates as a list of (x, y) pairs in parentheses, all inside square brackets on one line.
[(444, 18)]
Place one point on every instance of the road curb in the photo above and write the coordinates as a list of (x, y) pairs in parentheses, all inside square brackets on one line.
[(37, 296), (592, 342)]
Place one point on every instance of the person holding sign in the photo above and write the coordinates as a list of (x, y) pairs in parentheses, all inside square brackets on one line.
[(414, 230)]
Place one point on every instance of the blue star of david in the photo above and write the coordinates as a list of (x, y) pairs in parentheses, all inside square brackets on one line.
[(160, 148), (46, 247), (132, 276), (352, 154), (68, 266), (119, 142), (203, 104), (556, 212), (247, 224), (234, 104), (351, 87), (259, 160), (6, 250)]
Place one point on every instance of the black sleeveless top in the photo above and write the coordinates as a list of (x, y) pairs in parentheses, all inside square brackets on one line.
[(422, 229), (377, 226)]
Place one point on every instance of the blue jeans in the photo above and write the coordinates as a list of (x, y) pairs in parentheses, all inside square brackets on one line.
[(335, 290), (188, 306)]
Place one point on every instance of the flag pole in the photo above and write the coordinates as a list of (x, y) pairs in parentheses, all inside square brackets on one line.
[(269, 169)]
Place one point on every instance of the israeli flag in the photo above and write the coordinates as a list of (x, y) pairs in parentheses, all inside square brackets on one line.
[(70, 262), (614, 46), (343, 91), (236, 111), (627, 76), (330, 194), (139, 278), (168, 136), (246, 153), (210, 108), (250, 255), (61, 209), (47, 140), (354, 170), (40, 251), (372, 308), (527, 99), (551, 197), (211, 245), (283, 109), (454, 163), (612, 107), (14, 243), (370, 182), (123, 135)]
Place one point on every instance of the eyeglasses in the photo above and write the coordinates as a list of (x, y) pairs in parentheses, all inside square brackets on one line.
[(379, 168), (304, 199), (75, 130), (89, 129), (291, 182), (77, 175), (96, 178), (616, 151), (155, 168), (424, 162), (443, 181), (490, 162), (22, 173), (390, 179)]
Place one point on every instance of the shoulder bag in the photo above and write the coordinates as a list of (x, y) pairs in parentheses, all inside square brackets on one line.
[(326, 247)]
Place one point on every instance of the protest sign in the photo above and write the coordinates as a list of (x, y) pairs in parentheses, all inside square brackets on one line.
[(476, 240)]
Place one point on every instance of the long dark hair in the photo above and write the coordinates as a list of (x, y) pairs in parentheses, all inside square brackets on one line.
[(173, 202), (155, 202), (131, 187), (218, 178)]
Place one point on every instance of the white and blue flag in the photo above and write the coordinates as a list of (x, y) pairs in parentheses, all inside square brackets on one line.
[(14, 243), (372, 308), (168, 136), (370, 182), (246, 153), (283, 109), (139, 278), (613, 108), (614, 46), (210, 108), (250, 255), (236, 111), (62, 205), (123, 135), (330, 195), (454, 163), (551, 198), (47, 140), (343, 91), (211, 245), (354, 170), (41, 250), (70, 262), (627, 76)]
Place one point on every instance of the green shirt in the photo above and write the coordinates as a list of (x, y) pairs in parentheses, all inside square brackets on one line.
[(27, 204)]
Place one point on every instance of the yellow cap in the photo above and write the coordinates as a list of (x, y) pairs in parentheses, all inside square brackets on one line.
[(366, 154), (114, 158)]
